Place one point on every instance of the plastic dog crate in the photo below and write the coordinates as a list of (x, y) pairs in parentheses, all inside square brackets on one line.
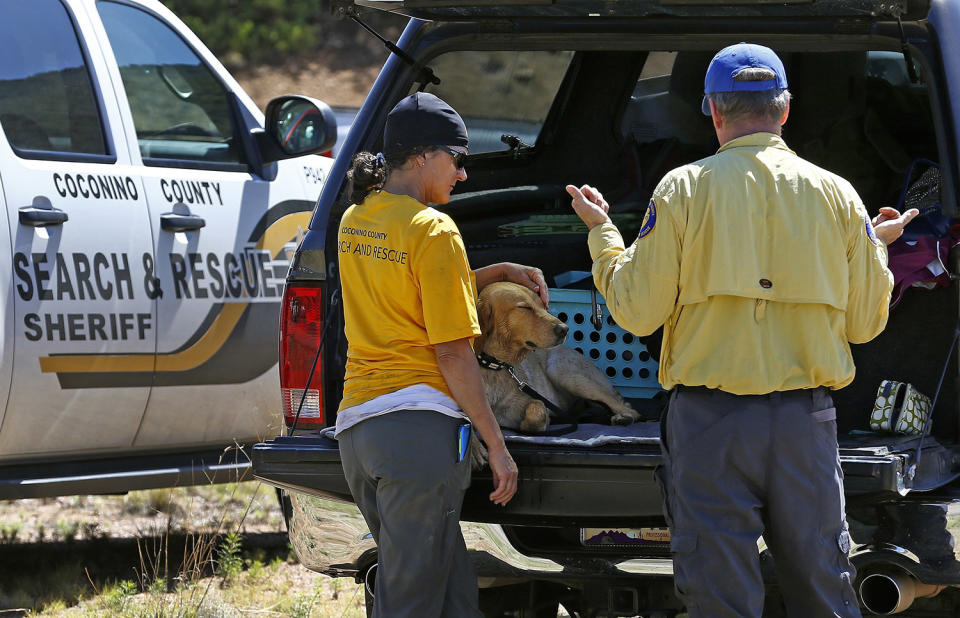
[(619, 354)]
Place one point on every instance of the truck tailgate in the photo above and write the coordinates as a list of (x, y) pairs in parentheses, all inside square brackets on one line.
[(608, 486)]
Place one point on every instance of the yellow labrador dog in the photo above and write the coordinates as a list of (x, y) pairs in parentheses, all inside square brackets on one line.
[(520, 337)]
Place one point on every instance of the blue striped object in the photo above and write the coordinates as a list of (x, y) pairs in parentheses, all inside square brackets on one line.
[(619, 354)]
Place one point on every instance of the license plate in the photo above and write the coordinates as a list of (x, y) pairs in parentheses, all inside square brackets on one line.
[(625, 537)]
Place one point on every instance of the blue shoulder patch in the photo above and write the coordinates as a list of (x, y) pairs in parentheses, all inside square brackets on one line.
[(870, 233), (649, 221)]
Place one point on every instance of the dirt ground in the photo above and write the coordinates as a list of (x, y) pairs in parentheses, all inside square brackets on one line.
[(322, 77), (340, 73)]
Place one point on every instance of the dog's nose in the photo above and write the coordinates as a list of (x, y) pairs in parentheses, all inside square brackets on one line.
[(560, 330)]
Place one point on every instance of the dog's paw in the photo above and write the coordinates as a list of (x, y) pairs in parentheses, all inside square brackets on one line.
[(625, 416), (478, 453), (535, 418)]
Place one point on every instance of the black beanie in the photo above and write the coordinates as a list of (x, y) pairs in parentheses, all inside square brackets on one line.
[(422, 119)]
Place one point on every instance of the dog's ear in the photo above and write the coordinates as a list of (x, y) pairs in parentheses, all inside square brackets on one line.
[(485, 316)]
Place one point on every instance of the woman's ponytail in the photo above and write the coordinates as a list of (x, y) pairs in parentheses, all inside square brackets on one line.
[(367, 172)]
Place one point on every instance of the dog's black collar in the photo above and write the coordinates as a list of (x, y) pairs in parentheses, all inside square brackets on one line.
[(492, 363), (489, 362)]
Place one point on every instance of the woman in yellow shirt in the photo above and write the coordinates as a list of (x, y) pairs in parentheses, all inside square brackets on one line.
[(412, 379)]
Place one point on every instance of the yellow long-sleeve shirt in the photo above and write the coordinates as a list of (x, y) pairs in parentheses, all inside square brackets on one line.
[(761, 267)]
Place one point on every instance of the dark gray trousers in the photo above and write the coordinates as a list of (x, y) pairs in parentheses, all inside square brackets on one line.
[(738, 467), (403, 472)]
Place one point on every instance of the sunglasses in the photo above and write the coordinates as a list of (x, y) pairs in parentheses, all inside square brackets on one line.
[(459, 158)]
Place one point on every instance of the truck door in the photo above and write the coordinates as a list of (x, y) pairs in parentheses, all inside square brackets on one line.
[(6, 308), (219, 233), (84, 327)]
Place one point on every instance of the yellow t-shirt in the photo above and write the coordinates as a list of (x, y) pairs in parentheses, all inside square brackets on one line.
[(762, 268), (406, 286)]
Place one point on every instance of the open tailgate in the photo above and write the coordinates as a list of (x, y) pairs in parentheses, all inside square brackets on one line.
[(557, 485)]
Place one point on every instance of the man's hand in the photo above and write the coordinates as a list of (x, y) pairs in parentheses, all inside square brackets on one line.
[(589, 205), (504, 475), (888, 225)]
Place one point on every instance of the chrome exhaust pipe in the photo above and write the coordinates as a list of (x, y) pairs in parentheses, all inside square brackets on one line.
[(370, 578), (893, 592)]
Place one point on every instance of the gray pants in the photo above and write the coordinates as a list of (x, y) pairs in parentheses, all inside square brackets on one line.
[(403, 473), (738, 467)]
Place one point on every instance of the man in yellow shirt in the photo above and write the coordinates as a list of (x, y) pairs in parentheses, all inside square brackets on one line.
[(762, 269)]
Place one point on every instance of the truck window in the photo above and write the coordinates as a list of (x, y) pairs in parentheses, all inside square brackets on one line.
[(513, 95), (855, 113), (181, 111), (862, 118), (47, 101), (661, 106)]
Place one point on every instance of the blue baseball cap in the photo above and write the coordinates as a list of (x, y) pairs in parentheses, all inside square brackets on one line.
[(731, 60)]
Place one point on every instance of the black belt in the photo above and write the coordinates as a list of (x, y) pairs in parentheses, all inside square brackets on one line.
[(683, 388)]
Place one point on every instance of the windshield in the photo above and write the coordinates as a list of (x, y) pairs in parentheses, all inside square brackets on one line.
[(500, 92)]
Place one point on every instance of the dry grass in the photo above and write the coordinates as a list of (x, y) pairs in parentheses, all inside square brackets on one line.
[(275, 589), (206, 551)]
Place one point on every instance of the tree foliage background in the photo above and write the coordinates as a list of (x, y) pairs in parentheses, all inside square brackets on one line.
[(247, 32), (255, 31)]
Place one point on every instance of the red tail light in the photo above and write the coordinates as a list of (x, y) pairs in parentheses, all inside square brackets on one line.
[(301, 323)]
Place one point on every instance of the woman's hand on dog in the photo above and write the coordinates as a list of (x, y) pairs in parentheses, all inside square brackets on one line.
[(504, 474), (529, 277)]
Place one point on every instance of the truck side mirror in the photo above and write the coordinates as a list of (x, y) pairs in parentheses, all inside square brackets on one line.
[(295, 126)]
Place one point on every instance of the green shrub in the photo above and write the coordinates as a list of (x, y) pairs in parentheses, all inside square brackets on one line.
[(114, 597), (9, 531), (68, 529), (229, 560), (252, 31)]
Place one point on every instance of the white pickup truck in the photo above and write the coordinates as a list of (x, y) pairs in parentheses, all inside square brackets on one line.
[(151, 210)]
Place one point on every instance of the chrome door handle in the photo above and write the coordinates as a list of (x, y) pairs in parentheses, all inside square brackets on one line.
[(173, 222), (41, 217)]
